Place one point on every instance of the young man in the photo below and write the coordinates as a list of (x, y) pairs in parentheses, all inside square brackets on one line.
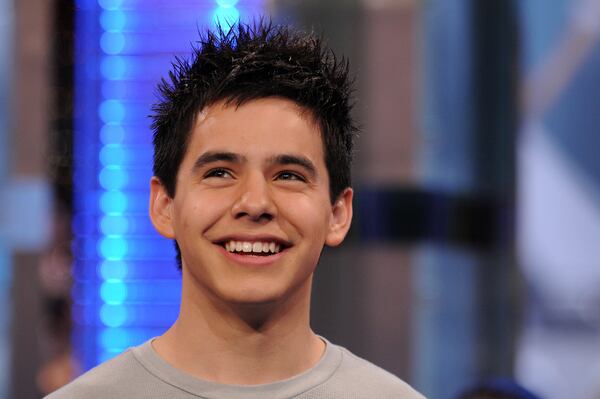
[(253, 144)]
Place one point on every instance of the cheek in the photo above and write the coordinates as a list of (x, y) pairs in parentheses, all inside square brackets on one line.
[(309, 215), (199, 211)]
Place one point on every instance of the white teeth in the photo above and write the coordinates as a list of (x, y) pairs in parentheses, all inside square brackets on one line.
[(252, 247)]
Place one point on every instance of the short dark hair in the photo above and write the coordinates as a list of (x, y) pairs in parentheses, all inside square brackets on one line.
[(248, 62)]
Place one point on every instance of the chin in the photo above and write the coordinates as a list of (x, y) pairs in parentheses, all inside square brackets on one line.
[(254, 298)]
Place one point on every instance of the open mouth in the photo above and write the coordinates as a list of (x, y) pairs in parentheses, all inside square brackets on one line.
[(254, 248)]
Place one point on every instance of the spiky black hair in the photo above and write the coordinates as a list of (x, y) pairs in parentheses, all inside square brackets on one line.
[(252, 61), (248, 62)]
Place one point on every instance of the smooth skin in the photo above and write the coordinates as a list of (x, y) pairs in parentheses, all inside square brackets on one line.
[(251, 173)]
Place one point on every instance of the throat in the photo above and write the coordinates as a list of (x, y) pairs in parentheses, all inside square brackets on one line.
[(250, 361)]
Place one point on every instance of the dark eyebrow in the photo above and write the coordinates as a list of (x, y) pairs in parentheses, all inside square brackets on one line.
[(289, 159), (216, 156)]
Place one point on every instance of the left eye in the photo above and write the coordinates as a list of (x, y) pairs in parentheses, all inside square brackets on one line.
[(290, 176)]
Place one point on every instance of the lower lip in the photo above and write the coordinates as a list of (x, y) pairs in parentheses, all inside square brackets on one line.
[(252, 260)]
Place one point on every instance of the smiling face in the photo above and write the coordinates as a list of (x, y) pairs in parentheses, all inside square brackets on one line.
[(252, 211)]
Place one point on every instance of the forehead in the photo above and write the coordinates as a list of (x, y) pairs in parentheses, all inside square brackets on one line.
[(261, 127)]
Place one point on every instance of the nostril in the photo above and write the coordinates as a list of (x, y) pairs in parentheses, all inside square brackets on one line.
[(262, 217), (266, 216)]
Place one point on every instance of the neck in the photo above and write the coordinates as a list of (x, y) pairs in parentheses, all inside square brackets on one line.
[(242, 344)]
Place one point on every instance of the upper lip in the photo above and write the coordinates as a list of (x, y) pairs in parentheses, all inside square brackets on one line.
[(253, 238)]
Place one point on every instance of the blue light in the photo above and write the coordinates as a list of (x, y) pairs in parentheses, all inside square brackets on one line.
[(110, 4), (112, 154), (226, 16), (114, 225), (114, 337), (112, 42), (110, 269), (112, 20), (113, 67), (113, 248), (111, 111), (113, 202), (112, 178), (113, 292), (227, 3), (112, 134), (113, 315)]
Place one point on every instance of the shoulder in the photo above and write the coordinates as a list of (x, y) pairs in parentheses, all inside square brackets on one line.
[(108, 380), (367, 380)]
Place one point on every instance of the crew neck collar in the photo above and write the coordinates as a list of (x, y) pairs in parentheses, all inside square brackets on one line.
[(287, 388)]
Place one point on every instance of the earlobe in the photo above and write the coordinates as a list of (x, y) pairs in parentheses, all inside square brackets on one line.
[(160, 208), (341, 218)]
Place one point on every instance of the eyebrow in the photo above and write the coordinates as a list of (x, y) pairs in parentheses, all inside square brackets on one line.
[(289, 159), (216, 156), (281, 159)]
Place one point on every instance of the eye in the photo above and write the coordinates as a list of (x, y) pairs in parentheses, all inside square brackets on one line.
[(287, 175), (218, 173)]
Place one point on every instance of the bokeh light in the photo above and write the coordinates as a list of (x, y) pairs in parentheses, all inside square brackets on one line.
[(113, 315), (112, 42)]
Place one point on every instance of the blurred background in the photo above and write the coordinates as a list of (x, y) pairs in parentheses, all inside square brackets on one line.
[(475, 251)]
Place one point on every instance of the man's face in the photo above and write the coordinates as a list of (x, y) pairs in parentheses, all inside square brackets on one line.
[(252, 211)]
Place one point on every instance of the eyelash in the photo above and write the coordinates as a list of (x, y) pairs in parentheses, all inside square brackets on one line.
[(221, 172), (294, 175), (214, 172)]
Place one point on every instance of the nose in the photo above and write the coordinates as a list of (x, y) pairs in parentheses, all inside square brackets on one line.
[(254, 200)]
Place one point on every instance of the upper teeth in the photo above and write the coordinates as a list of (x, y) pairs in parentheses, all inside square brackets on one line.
[(247, 246)]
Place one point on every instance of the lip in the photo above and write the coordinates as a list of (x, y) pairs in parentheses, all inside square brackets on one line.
[(251, 260)]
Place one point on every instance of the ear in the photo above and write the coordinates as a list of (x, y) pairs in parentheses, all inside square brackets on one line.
[(160, 208), (341, 217)]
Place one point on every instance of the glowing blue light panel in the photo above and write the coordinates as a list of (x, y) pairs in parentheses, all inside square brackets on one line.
[(126, 285)]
